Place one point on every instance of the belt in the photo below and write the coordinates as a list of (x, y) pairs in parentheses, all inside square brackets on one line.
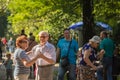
[(45, 65)]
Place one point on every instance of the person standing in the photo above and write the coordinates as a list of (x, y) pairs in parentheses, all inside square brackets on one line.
[(1, 45), (11, 45), (21, 60), (67, 47), (4, 42), (31, 44), (23, 32), (107, 46), (45, 64), (8, 65)]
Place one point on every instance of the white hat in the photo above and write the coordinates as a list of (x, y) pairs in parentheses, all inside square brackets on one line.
[(95, 39)]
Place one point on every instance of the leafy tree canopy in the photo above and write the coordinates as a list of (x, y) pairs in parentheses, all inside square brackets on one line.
[(55, 15)]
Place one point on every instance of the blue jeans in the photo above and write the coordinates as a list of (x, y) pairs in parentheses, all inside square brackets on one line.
[(100, 74), (107, 68), (62, 71)]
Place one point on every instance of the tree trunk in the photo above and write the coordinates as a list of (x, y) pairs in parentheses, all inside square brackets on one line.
[(88, 20)]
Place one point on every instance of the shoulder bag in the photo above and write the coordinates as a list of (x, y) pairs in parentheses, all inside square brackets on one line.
[(64, 60)]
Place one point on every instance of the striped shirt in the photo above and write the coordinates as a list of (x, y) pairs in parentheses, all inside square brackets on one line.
[(19, 66)]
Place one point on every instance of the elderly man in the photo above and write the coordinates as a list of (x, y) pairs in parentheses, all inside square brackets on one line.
[(45, 64)]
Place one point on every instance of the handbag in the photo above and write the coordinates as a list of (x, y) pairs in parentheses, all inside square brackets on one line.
[(64, 60)]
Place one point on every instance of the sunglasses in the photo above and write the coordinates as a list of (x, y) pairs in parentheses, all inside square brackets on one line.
[(24, 41)]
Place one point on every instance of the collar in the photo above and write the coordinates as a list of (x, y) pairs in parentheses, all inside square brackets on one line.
[(67, 40), (46, 44)]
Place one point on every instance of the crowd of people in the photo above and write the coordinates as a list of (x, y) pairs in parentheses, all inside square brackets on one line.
[(6, 46), (92, 61)]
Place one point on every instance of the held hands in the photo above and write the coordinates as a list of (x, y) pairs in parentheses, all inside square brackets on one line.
[(102, 52), (97, 67), (39, 55)]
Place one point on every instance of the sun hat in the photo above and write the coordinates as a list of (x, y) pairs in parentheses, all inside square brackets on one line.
[(95, 39)]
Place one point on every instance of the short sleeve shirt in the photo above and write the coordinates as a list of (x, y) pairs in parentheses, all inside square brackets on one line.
[(19, 66), (108, 45), (92, 56), (47, 50), (63, 45)]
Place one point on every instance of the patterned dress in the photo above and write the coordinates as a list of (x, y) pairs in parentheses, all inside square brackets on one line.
[(84, 71)]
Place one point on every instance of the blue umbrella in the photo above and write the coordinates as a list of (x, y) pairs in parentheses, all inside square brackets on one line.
[(100, 24), (76, 25), (103, 25)]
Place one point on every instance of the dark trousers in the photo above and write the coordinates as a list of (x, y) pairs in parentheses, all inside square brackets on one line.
[(0, 54), (107, 68), (70, 76), (116, 66), (9, 74)]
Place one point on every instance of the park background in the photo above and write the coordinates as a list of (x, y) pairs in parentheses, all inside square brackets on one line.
[(55, 15)]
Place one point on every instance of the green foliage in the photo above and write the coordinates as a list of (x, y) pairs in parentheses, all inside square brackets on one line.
[(37, 15), (26, 15), (3, 17), (107, 11), (54, 15), (63, 20)]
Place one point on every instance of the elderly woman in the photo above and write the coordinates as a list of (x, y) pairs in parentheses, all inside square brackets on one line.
[(21, 60), (87, 67)]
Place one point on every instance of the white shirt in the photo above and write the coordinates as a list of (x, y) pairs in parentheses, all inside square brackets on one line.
[(47, 50)]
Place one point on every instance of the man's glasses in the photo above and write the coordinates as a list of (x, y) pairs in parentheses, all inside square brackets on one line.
[(43, 36), (97, 43)]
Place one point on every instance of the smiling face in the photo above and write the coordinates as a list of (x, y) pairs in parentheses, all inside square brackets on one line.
[(43, 37), (22, 42)]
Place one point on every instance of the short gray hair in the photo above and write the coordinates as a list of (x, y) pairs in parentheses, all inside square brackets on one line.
[(43, 32), (95, 39)]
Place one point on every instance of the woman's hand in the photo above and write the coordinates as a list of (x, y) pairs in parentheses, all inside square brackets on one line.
[(94, 68)]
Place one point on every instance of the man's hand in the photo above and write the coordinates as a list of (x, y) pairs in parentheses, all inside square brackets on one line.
[(102, 51)]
